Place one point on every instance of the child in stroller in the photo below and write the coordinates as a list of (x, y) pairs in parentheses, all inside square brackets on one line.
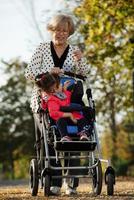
[(59, 96), (42, 168)]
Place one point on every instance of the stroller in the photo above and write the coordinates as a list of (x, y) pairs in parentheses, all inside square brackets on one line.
[(46, 132)]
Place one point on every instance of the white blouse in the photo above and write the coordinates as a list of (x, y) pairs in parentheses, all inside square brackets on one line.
[(42, 61)]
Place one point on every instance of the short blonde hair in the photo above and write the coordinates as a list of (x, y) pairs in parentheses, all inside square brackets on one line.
[(61, 20)]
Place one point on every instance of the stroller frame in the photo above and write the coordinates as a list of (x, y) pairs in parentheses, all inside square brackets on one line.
[(40, 167)]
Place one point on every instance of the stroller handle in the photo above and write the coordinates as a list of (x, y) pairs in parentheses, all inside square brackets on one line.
[(75, 75), (71, 74)]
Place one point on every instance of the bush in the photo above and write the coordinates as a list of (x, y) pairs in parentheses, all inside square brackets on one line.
[(121, 167)]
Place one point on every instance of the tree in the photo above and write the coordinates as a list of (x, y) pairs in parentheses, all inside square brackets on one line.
[(107, 144), (106, 27), (16, 122)]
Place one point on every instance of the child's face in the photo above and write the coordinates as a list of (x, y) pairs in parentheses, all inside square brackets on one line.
[(58, 88), (55, 88), (52, 89)]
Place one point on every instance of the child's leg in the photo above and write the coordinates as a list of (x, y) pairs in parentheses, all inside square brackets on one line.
[(83, 125), (62, 124)]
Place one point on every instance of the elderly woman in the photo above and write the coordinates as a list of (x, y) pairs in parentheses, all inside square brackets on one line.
[(56, 56)]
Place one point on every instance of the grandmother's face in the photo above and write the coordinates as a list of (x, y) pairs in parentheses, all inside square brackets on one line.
[(60, 34)]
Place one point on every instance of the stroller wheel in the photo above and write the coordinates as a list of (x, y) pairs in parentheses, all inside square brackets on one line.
[(110, 184), (34, 180), (97, 179), (47, 182)]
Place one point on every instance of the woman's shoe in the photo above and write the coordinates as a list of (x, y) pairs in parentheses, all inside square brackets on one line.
[(71, 191), (54, 190)]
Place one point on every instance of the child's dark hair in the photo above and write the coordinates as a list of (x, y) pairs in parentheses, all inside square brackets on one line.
[(57, 78), (47, 81)]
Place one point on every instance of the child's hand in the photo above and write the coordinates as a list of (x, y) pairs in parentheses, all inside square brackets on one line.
[(70, 115), (66, 84), (44, 96), (73, 119)]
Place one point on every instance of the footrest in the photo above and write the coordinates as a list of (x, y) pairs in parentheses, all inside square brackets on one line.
[(75, 146)]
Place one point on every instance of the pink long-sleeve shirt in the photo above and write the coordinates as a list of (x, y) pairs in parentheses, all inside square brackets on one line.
[(54, 103)]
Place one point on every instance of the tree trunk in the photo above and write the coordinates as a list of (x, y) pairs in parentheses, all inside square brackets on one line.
[(11, 160), (112, 116), (113, 125)]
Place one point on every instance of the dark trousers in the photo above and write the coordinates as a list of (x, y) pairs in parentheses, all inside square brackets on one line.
[(55, 181), (62, 124), (72, 182)]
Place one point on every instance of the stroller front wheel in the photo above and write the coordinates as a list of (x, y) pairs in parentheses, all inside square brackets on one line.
[(110, 184)]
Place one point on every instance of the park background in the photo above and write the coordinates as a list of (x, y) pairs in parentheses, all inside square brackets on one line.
[(105, 34)]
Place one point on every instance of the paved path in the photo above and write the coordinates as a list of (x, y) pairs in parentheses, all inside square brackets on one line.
[(19, 190)]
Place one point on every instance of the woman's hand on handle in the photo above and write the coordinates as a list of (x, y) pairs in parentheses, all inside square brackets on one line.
[(56, 70)]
